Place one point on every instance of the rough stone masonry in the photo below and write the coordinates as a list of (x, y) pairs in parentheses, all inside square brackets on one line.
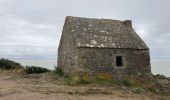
[(102, 46)]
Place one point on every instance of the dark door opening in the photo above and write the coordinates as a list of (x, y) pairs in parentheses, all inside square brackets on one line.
[(119, 61)]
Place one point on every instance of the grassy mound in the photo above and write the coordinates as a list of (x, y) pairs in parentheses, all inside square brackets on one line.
[(9, 64), (11, 67), (35, 70), (58, 71)]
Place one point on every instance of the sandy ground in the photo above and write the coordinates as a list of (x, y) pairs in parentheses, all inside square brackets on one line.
[(42, 87)]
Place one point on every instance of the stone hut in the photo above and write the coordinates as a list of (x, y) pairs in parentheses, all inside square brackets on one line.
[(102, 46)]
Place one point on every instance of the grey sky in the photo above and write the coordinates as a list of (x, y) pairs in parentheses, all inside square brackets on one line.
[(32, 28)]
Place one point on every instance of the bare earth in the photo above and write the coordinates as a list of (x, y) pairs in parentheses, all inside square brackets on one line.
[(45, 87)]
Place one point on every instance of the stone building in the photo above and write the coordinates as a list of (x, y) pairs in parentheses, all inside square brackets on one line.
[(102, 46)]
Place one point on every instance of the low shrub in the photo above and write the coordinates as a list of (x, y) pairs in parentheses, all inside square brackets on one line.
[(153, 90), (35, 70), (9, 64), (84, 78), (132, 83), (59, 71), (77, 79), (159, 76), (71, 80), (127, 83), (103, 78)]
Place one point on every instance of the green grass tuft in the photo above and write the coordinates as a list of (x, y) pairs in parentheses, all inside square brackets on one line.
[(127, 83), (35, 70), (59, 71), (9, 64), (132, 83)]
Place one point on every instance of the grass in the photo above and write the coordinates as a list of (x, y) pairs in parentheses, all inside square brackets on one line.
[(6, 64), (98, 78), (58, 71), (81, 79), (75, 80), (9, 64), (132, 83), (35, 70), (159, 76), (85, 78), (153, 90), (104, 78), (72, 80), (127, 83)]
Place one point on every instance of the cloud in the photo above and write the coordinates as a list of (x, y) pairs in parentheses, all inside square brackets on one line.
[(20, 38), (32, 28)]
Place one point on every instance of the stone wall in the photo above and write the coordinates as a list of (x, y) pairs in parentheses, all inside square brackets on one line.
[(94, 60), (67, 54)]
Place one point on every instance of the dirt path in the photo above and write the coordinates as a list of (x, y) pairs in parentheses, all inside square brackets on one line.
[(38, 87)]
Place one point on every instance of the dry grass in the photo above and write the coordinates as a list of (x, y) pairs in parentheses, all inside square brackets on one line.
[(13, 72), (36, 86)]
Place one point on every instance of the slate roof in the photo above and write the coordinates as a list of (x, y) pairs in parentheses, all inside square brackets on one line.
[(104, 33)]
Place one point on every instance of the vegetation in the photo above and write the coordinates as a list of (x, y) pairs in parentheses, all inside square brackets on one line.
[(59, 71), (103, 78), (132, 83), (98, 78), (9, 64), (157, 85), (153, 90), (75, 80), (159, 76), (127, 83), (84, 78), (35, 70), (72, 79)]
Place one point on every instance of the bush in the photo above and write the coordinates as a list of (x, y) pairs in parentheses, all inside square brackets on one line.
[(84, 78), (35, 69), (159, 76), (104, 78), (59, 71), (70, 80), (75, 80), (9, 64), (153, 90), (127, 83), (132, 83)]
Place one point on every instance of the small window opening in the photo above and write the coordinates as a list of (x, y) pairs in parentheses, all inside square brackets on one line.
[(119, 61)]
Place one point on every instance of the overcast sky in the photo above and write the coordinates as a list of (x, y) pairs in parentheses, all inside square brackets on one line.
[(32, 28)]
